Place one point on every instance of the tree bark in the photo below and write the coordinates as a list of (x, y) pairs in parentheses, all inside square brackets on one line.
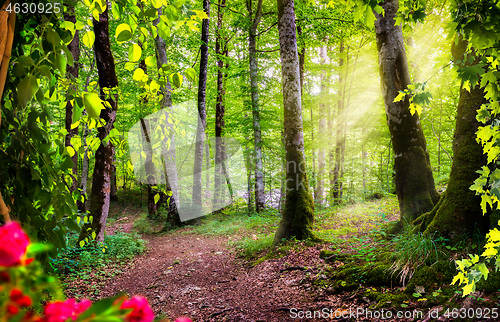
[(254, 90), (458, 211), (72, 72), (202, 112), (337, 171), (101, 178), (298, 213), (221, 51), (319, 194), (173, 218), (414, 181)]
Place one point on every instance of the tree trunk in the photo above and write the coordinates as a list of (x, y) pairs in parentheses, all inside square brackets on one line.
[(337, 172), (254, 90), (101, 179), (171, 202), (319, 193), (72, 72), (222, 52), (414, 181), (298, 213), (202, 113), (458, 211)]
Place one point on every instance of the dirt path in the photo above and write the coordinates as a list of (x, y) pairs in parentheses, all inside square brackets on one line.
[(200, 277)]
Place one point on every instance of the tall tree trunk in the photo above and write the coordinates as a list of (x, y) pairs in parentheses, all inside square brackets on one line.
[(72, 72), (337, 172), (171, 181), (202, 112), (414, 181), (458, 211), (320, 185), (298, 213), (101, 178), (221, 51), (254, 90)]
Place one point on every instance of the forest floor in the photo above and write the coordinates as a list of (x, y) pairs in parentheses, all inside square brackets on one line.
[(220, 271)]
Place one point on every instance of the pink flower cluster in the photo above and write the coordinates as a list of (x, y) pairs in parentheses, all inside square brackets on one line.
[(61, 311), (13, 245)]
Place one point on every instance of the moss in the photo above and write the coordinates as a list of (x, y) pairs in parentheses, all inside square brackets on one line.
[(385, 298), (432, 277), (333, 255)]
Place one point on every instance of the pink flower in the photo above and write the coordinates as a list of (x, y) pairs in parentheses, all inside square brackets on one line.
[(183, 319), (61, 311), (141, 310), (13, 244)]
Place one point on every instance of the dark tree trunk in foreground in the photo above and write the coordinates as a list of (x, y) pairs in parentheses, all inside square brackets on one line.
[(220, 154), (170, 202), (458, 211), (101, 179), (72, 72), (254, 90), (202, 112), (414, 181), (298, 213)]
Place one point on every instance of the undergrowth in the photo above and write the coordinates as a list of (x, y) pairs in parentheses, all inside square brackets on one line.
[(116, 249)]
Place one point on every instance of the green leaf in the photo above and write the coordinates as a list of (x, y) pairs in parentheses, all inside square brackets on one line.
[(92, 104), (156, 3), (400, 97), (191, 74), (93, 235), (150, 61), (60, 63), (89, 39), (177, 80), (134, 53), (26, 89), (483, 269), (123, 33), (38, 248), (157, 198), (82, 243), (139, 74)]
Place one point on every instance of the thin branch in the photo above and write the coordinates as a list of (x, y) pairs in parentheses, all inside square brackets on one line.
[(327, 18), (260, 33), (224, 6), (439, 141), (267, 51)]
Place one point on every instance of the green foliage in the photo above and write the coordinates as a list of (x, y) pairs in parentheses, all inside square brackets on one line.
[(478, 22), (411, 251), (34, 165), (418, 97), (116, 248)]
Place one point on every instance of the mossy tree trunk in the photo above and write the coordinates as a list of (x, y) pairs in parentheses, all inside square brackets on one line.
[(413, 174), (459, 212), (298, 213)]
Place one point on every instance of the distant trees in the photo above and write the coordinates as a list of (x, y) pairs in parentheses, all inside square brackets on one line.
[(298, 212), (413, 174)]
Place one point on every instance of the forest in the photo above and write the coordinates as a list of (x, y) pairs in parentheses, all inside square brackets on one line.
[(181, 160)]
